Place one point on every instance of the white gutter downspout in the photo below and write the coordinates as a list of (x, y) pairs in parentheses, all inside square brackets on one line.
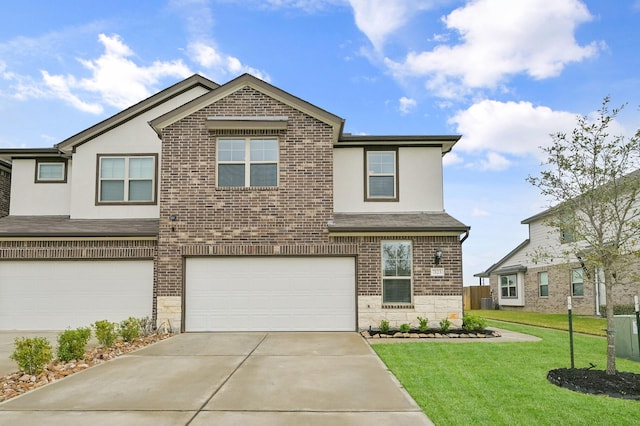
[(597, 283)]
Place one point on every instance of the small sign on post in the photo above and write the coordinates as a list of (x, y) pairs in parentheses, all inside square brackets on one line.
[(570, 331)]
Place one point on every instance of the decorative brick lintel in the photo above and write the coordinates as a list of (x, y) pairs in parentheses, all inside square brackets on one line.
[(270, 250)]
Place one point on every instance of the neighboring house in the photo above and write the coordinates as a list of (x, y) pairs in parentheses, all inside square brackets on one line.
[(233, 207), (5, 187), (523, 281)]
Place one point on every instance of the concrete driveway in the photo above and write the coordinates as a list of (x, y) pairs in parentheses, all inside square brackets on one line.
[(228, 379)]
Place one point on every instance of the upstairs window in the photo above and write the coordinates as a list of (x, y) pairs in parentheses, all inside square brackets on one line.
[(381, 178), (248, 162), (51, 171), (127, 179), (396, 271)]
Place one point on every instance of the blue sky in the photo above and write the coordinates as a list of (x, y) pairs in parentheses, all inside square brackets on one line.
[(504, 74)]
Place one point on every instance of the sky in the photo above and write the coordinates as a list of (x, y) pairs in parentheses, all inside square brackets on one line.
[(503, 74)]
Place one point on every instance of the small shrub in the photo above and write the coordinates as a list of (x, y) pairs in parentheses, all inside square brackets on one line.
[(106, 332), (445, 324), (146, 326), (130, 329), (32, 354), (384, 326), (424, 324), (618, 310), (404, 328), (72, 344), (474, 324)]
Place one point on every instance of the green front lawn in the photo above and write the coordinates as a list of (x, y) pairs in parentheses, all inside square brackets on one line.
[(505, 383), (581, 324)]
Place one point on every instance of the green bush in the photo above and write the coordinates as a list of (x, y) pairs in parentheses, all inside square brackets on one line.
[(404, 328), (618, 310), (474, 324), (130, 329), (445, 324), (424, 324), (72, 344), (32, 354), (384, 326), (106, 332)]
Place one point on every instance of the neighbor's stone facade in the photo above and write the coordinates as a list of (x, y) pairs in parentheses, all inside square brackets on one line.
[(560, 289), (5, 191)]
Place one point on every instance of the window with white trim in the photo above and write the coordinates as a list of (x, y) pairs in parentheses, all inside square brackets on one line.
[(126, 179), (509, 286), (577, 282), (543, 284), (381, 179), (247, 162), (396, 271), (50, 171)]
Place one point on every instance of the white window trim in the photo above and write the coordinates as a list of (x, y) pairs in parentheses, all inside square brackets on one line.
[(540, 284), (515, 286), (575, 282), (126, 179), (403, 277), (370, 174), (248, 162)]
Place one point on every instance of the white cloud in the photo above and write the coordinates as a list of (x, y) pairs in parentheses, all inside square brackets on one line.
[(60, 87), (514, 128), (499, 39), (451, 158), (478, 212), (493, 161), (407, 104), (219, 64), (377, 19)]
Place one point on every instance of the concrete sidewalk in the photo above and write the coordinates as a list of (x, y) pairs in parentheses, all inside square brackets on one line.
[(228, 379)]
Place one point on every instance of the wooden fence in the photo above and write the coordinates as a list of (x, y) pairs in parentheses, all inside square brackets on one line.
[(473, 296)]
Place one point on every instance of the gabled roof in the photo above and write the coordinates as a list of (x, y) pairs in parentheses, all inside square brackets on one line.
[(433, 222), (247, 80), (5, 166), (499, 263), (69, 145)]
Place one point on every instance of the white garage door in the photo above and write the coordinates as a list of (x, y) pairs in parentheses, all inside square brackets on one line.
[(270, 294), (56, 295)]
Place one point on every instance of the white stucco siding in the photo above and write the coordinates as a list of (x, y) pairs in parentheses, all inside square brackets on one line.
[(419, 174), (29, 198), (132, 137)]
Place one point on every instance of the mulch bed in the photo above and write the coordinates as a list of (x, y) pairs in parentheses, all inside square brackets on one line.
[(598, 382), (430, 334)]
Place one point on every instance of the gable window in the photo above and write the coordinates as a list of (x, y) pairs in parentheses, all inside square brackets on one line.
[(51, 171), (248, 162), (577, 282), (127, 179), (543, 284), (508, 286), (382, 178), (396, 272)]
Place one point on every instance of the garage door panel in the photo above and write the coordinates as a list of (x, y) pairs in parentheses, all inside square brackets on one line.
[(277, 294), (55, 295)]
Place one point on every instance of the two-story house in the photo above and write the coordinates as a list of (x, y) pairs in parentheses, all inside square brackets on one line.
[(523, 280), (229, 207)]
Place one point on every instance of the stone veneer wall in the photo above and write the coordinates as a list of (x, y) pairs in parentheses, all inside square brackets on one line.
[(5, 191), (434, 298), (560, 289), (288, 219)]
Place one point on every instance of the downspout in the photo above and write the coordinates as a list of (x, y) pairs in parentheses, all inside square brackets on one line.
[(597, 284), (466, 235)]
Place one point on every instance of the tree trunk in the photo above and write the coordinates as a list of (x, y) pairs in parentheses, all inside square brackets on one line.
[(611, 336)]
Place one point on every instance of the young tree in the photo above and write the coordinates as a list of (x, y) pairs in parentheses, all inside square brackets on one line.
[(593, 180)]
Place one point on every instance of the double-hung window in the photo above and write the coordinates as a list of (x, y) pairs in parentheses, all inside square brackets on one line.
[(382, 177), (577, 282), (248, 162), (396, 271), (509, 286), (51, 171), (543, 284), (126, 179)]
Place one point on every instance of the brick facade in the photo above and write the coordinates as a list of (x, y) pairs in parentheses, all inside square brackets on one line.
[(560, 289), (5, 190)]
